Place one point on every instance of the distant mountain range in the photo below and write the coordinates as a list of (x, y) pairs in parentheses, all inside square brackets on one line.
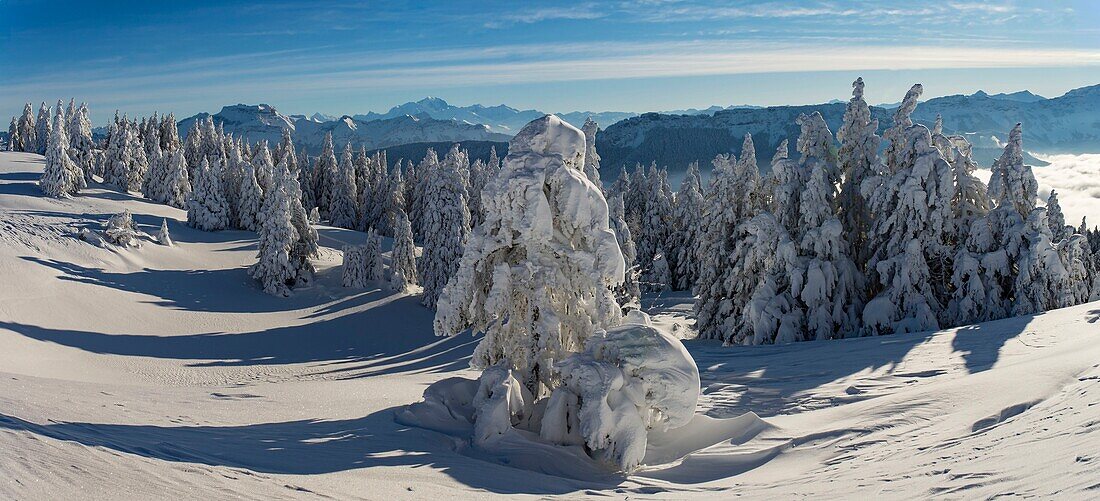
[(1066, 124), (264, 122)]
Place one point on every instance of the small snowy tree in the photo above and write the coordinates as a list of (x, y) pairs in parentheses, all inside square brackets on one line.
[(628, 294), (206, 208), (163, 237), (394, 199), (536, 275), (121, 230), (403, 256)]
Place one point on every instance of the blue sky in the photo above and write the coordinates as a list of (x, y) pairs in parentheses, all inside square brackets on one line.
[(351, 57)]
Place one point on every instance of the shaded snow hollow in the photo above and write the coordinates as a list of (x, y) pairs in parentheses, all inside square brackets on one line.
[(158, 372)]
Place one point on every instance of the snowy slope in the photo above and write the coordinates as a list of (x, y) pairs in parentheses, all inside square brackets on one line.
[(165, 372)]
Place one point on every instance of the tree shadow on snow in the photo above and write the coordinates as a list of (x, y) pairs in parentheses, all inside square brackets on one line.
[(307, 447), (393, 336), (226, 290), (779, 379)]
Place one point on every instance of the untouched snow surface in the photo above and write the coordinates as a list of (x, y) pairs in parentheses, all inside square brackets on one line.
[(159, 371)]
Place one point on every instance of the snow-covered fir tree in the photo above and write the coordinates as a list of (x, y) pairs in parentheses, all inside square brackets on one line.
[(82, 147), (687, 228), (1042, 279), (152, 186), (264, 167), (1055, 219), (324, 173), (395, 200), (591, 158), (913, 209), (169, 133), (425, 173), (1011, 183), (971, 201), (857, 160), (375, 271), (62, 177), (343, 209), (43, 128), (628, 293), (286, 241), (249, 199), (1075, 254), (403, 255), (550, 280), (178, 185), (726, 280), (354, 267), (206, 208), (274, 269), (13, 136), (828, 283), (656, 229), (26, 131), (445, 226), (897, 132)]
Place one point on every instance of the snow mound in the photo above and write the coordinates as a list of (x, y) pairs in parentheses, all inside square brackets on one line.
[(628, 399)]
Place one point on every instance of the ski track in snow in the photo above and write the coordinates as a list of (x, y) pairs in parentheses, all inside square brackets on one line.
[(166, 372)]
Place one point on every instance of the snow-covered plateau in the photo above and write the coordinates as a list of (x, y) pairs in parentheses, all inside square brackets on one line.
[(154, 371)]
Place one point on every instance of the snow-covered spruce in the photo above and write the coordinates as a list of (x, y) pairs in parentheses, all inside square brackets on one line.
[(687, 231), (343, 209), (249, 199), (591, 158), (545, 247), (178, 189), (61, 177), (536, 278), (628, 293), (43, 129), (206, 208), (403, 255), (445, 222), (285, 243), (363, 263), (354, 268)]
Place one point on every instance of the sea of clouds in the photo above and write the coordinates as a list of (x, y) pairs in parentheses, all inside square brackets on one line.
[(1076, 178)]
